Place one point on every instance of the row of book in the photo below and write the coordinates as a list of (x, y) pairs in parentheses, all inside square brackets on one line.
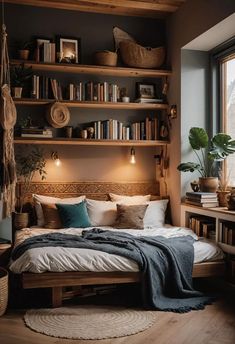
[(203, 226), (46, 88), (36, 132), (113, 129), (49, 88), (202, 199), (45, 51), (91, 91), (227, 232)]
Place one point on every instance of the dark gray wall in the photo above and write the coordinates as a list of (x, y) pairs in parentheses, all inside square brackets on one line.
[(95, 31)]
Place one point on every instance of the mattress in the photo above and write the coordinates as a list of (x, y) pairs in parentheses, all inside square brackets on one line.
[(60, 259)]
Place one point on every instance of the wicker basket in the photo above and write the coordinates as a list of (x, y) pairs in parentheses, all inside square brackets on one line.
[(105, 58), (134, 55), (3, 290)]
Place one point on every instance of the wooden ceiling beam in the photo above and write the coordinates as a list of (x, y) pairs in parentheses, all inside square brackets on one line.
[(143, 8)]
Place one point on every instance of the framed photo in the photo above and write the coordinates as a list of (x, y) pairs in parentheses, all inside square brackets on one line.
[(145, 90), (68, 50)]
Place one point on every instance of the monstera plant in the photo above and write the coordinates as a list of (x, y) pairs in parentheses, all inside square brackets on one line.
[(208, 152)]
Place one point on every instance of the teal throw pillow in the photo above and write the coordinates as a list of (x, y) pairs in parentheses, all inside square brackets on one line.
[(74, 215)]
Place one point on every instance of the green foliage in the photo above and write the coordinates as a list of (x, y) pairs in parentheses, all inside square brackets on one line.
[(20, 75), (210, 151), (27, 165)]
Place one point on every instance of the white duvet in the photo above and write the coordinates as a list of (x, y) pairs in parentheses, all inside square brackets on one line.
[(60, 259)]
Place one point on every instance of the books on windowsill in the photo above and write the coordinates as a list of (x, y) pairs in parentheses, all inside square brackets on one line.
[(202, 199), (203, 205), (4, 243)]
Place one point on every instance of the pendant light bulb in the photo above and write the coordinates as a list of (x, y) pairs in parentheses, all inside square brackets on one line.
[(56, 159), (132, 158)]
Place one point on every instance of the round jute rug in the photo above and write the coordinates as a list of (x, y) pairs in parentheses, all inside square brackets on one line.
[(89, 322)]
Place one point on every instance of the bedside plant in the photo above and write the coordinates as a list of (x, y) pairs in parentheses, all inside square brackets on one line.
[(27, 165), (208, 152)]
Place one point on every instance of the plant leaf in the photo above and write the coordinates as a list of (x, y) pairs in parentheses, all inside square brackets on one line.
[(189, 167), (222, 146), (198, 138)]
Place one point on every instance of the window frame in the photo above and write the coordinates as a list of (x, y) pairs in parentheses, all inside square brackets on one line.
[(222, 53)]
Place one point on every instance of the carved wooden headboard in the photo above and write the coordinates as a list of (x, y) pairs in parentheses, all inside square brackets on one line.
[(92, 189)]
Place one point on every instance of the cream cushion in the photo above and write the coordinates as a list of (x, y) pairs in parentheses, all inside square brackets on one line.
[(101, 213), (129, 200), (38, 199), (155, 213)]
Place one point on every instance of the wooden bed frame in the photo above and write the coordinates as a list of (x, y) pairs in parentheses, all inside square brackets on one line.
[(96, 190)]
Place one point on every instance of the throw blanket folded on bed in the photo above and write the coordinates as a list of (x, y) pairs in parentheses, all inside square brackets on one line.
[(166, 263)]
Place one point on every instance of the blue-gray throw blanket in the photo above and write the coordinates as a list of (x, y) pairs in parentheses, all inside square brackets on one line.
[(166, 263)]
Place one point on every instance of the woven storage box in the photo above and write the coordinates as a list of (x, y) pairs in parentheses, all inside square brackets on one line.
[(3, 290), (105, 58), (134, 55)]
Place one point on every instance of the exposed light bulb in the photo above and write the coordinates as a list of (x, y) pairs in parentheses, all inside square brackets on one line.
[(56, 159), (57, 162), (132, 158)]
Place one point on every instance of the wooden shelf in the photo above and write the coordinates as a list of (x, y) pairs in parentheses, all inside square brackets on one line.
[(88, 142), (94, 70), (94, 104)]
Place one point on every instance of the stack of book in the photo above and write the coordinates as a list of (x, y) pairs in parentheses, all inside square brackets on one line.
[(36, 132), (202, 199)]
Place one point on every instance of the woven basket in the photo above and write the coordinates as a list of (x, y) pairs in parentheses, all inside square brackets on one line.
[(134, 55), (3, 290), (58, 115), (105, 58)]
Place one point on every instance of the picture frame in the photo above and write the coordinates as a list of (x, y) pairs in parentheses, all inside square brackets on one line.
[(145, 90), (68, 49)]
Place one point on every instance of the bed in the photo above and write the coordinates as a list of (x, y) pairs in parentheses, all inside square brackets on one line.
[(79, 267)]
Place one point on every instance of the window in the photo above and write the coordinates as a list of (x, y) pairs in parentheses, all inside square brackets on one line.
[(227, 117)]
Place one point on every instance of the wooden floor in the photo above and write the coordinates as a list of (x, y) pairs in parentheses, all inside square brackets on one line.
[(213, 325)]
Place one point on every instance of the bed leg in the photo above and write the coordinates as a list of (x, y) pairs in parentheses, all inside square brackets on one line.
[(56, 297)]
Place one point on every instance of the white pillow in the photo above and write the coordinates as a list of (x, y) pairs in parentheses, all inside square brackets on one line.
[(101, 213), (155, 213), (38, 199), (131, 200)]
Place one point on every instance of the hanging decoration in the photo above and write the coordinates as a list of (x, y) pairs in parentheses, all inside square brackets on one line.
[(7, 122)]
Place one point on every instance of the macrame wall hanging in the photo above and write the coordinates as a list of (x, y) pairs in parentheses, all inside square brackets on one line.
[(7, 122)]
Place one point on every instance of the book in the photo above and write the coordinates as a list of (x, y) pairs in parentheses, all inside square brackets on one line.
[(203, 195), (202, 200), (47, 135), (204, 205), (148, 100)]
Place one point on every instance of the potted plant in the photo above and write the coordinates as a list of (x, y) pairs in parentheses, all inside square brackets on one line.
[(24, 50), (208, 152), (27, 165), (20, 75)]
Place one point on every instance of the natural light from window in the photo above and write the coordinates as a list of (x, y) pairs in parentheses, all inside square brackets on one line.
[(229, 112)]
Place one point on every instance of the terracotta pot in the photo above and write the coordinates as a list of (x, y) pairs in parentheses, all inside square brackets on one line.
[(208, 184), (23, 54), (223, 198), (21, 220)]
